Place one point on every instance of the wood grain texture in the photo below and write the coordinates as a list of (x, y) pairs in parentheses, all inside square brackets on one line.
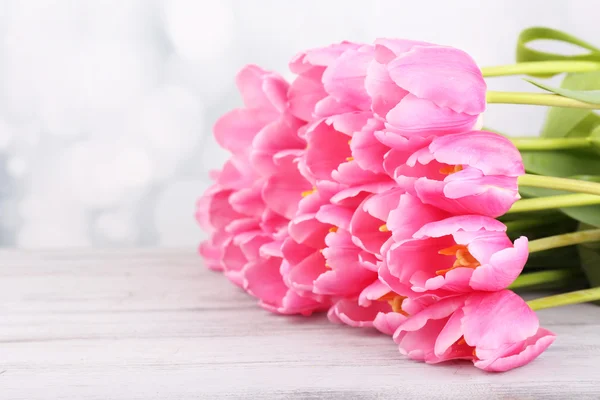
[(155, 324)]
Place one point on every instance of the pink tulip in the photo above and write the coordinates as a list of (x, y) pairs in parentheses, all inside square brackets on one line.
[(307, 95), (424, 89), (263, 279), (323, 261), (497, 331), (455, 255), (265, 99), (467, 173)]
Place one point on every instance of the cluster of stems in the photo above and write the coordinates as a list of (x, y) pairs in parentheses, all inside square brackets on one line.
[(579, 192)]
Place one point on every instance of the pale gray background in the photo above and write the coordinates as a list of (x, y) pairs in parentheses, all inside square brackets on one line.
[(106, 106)]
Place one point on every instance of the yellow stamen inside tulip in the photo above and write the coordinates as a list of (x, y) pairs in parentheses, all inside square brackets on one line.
[(463, 342), (333, 229), (395, 301), (383, 228), (349, 158), (450, 169), (464, 259), (309, 192)]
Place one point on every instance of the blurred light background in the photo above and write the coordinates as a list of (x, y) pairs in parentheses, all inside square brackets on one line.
[(106, 106)]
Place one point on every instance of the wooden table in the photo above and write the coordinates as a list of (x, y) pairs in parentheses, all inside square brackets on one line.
[(155, 324)]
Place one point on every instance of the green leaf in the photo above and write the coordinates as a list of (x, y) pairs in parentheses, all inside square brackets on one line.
[(587, 96), (571, 122), (587, 214), (589, 254), (561, 163), (525, 53)]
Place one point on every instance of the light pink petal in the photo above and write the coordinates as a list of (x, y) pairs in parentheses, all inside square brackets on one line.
[(418, 116), (351, 173), (374, 291), (283, 191), (350, 313), (494, 319), (279, 135), (327, 149), (367, 150), (392, 282), (236, 130), (447, 76), (411, 216), (305, 92), (294, 253), (451, 333), (322, 56), (396, 47), (350, 122), (365, 228), (306, 229), (251, 245), (272, 249), (384, 92), (419, 345), (413, 264), (489, 152), (301, 276), (347, 280), (531, 349), (335, 215), (262, 89), (494, 202), (437, 311), (503, 268), (263, 280), (248, 201), (469, 223), (388, 322), (330, 106), (344, 79), (241, 225)]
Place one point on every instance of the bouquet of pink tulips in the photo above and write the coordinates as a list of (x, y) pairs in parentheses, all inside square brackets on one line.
[(368, 188)]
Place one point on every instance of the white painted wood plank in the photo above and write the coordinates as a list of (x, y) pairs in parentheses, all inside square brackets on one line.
[(154, 324)]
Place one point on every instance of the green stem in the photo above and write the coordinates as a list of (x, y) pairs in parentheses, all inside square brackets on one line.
[(538, 99), (564, 299), (547, 144), (551, 182), (566, 239), (554, 276), (523, 224), (554, 202), (541, 68)]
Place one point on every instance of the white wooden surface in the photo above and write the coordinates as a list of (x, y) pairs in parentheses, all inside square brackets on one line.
[(154, 324)]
